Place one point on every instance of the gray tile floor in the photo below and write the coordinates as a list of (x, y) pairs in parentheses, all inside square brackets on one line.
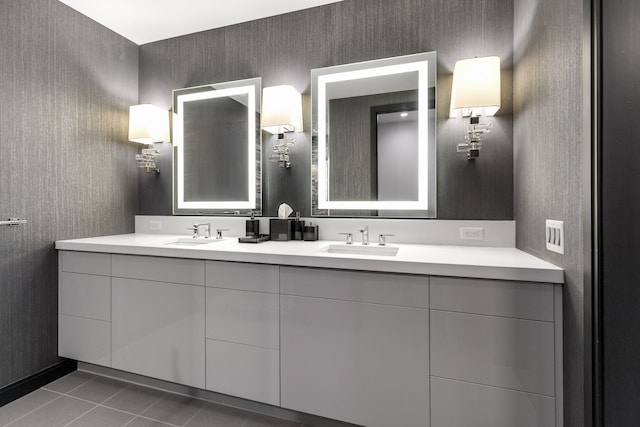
[(81, 399)]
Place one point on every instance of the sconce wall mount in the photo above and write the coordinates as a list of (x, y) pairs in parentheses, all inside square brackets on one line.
[(148, 124), (281, 115), (475, 92)]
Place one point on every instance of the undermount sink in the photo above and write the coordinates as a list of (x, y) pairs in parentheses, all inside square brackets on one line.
[(190, 241), (360, 250)]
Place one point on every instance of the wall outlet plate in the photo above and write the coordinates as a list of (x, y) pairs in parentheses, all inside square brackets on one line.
[(472, 233), (155, 225), (555, 236)]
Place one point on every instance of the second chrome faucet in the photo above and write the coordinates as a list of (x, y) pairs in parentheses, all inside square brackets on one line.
[(365, 234), (365, 237)]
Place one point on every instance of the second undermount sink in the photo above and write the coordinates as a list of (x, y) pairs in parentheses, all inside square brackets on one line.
[(360, 250), (190, 241)]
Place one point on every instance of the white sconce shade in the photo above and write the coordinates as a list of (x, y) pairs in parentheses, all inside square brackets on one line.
[(148, 124), (281, 109), (476, 87)]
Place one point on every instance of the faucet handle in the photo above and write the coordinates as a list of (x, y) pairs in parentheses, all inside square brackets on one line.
[(219, 232), (349, 238), (382, 239), (195, 229)]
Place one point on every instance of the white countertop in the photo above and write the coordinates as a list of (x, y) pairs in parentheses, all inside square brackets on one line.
[(438, 260)]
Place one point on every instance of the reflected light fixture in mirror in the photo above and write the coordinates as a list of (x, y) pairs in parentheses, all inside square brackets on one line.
[(282, 115), (475, 92), (148, 124)]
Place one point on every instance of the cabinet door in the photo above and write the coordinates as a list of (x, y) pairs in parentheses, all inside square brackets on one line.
[(158, 330), (362, 363)]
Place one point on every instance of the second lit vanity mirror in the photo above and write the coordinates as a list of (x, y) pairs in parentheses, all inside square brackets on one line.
[(217, 149), (374, 139)]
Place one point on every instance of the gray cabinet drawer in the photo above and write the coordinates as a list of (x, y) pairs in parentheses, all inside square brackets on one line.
[(243, 370), (85, 295), (86, 262), (460, 404), (243, 317), (379, 288), (87, 340), (523, 300), (243, 276), (498, 351), (169, 270)]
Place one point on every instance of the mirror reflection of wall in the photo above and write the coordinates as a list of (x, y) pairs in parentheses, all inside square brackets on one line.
[(215, 164)]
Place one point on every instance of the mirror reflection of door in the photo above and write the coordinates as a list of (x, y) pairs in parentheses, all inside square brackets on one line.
[(394, 151)]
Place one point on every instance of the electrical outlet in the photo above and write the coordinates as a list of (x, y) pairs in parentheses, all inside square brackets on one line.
[(155, 225), (472, 233), (555, 236)]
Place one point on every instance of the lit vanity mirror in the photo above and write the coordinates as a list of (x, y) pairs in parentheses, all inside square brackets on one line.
[(217, 149), (374, 138)]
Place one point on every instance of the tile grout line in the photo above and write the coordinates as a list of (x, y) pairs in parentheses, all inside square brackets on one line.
[(69, 391), (120, 410), (163, 394), (194, 415), (81, 415), (32, 411), (154, 420)]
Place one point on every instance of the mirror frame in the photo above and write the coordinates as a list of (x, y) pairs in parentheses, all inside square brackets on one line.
[(422, 63), (253, 89)]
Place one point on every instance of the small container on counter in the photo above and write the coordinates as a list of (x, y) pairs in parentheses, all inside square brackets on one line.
[(298, 227), (252, 227), (310, 232), (281, 229)]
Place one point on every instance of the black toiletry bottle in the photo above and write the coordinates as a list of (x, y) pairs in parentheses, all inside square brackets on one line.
[(298, 227), (253, 227)]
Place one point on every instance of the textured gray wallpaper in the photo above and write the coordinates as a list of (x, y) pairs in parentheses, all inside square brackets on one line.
[(283, 50), (65, 87), (548, 144)]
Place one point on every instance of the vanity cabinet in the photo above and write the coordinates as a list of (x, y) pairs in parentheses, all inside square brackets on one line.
[(370, 348), (84, 307), (158, 318), (355, 346), (496, 356), (243, 331)]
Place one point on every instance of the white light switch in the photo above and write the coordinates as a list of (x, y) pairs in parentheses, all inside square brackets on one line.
[(555, 236)]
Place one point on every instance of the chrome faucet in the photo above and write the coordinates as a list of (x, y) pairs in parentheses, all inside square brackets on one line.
[(365, 235)]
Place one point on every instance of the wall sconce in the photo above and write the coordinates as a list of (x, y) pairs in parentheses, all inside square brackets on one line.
[(281, 115), (475, 92), (148, 124)]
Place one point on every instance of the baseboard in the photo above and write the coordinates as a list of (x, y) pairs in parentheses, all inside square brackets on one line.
[(26, 385)]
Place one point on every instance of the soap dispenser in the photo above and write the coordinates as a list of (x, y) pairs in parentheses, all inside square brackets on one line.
[(253, 226), (298, 227)]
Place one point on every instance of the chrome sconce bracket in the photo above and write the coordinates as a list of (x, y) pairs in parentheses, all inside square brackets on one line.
[(473, 138), (281, 149), (147, 160)]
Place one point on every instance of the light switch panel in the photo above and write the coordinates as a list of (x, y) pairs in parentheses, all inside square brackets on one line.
[(555, 236)]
